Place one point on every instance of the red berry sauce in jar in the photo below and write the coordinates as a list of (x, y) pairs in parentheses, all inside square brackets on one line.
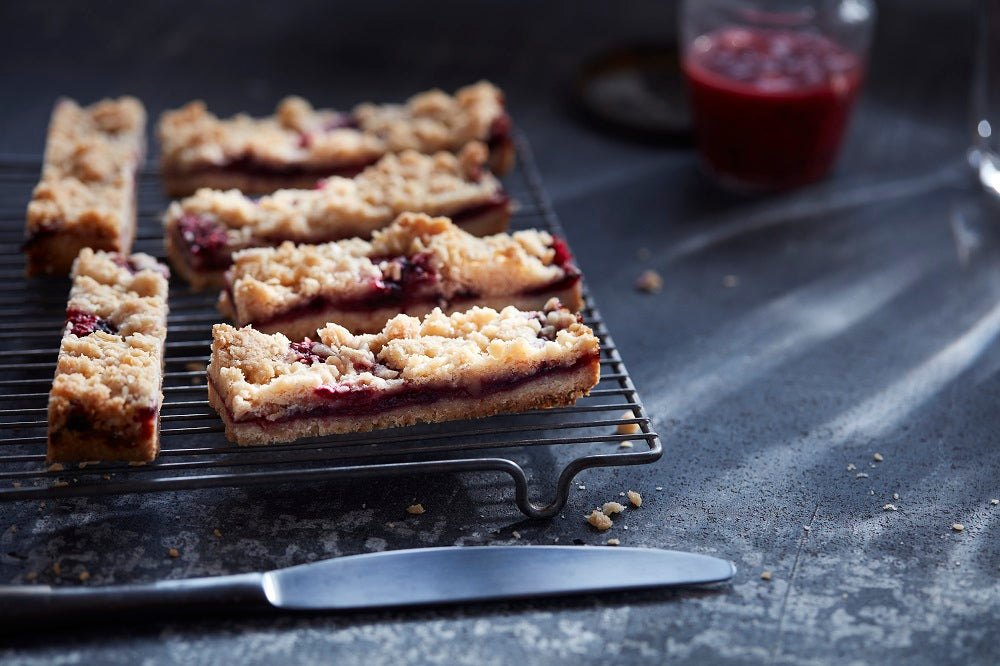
[(769, 105)]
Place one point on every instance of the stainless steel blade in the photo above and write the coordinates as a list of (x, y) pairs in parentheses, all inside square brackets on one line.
[(482, 573)]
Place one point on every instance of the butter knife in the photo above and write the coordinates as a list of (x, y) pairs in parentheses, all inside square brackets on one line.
[(421, 576)]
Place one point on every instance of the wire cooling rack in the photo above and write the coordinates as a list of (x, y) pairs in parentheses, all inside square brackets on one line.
[(195, 452)]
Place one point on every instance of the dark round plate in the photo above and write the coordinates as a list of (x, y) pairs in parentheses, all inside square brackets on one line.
[(638, 90)]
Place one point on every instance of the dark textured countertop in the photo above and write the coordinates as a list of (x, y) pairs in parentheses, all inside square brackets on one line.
[(862, 317)]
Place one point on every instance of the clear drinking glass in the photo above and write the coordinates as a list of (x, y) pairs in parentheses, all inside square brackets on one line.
[(772, 84), (984, 154)]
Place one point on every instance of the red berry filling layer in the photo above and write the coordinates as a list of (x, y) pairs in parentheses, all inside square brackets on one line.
[(85, 323)]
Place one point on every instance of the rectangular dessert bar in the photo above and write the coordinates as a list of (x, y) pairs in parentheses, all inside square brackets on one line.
[(299, 145), (106, 395), (268, 388), (412, 266), (202, 232), (86, 196)]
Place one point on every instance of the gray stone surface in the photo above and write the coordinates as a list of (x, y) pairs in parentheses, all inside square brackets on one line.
[(864, 319)]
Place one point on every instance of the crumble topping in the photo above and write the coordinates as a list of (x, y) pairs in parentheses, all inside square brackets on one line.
[(599, 519), (438, 184), (264, 375), (88, 174), (269, 281), (297, 134)]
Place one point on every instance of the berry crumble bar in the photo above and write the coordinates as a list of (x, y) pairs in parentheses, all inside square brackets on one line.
[(106, 395), (471, 364), (412, 266), (299, 145), (87, 191), (202, 232)]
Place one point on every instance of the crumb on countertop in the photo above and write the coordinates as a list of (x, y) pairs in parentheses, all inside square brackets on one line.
[(173, 552), (851, 467), (890, 507), (84, 576), (878, 457), (628, 428), (515, 534), (625, 444), (217, 533), (895, 496), (613, 542), (861, 475), (958, 527), (599, 520), (415, 509), (650, 282), (635, 498), (611, 508), (765, 575), (994, 502)]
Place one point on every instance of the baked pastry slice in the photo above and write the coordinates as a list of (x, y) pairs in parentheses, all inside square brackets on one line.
[(86, 196), (106, 395), (412, 266), (299, 145), (202, 232), (268, 388)]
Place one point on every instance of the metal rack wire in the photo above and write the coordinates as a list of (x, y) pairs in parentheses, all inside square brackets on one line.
[(195, 453)]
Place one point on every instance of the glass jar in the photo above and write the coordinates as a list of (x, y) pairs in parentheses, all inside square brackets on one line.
[(772, 84)]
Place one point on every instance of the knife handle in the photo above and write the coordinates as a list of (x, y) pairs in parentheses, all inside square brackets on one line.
[(30, 602)]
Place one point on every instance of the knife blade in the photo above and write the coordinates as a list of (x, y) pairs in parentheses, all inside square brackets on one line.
[(421, 576)]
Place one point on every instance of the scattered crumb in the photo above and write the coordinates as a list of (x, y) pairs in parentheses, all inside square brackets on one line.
[(611, 508), (415, 509), (851, 467), (581, 487), (41, 505), (807, 528), (56, 467), (136, 463), (17, 484), (861, 475), (730, 281), (56, 569), (765, 575), (516, 534), (628, 428), (643, 253), (871, 492), (217, 533), (613, 542), (173, 552), (195, 366), (878, 457), (958, 527), (994, 502), (31, 575), (895, 496), (890, 507), (621, 494), (844, 595), (625, 527), (84, 576), (599, 520), (625, 444), (390, 525), (60, 484), (649, 282), (659, 487), (635, 498)]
